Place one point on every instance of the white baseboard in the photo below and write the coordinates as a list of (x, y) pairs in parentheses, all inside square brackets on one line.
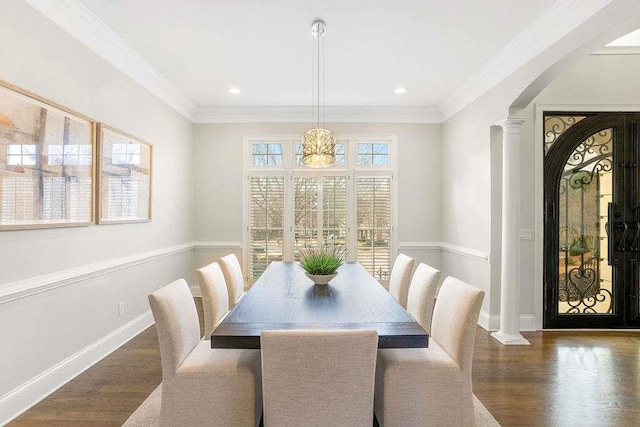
[(33, 391), (492, 323)]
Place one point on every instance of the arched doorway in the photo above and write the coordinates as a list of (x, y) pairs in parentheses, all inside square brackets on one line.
[(592, 211)]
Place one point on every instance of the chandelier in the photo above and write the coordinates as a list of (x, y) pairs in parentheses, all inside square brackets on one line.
[(318, 144)]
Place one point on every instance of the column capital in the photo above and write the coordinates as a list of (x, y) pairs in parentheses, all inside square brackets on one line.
[(511, 124)]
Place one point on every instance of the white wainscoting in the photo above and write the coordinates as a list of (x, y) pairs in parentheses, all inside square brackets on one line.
[(206, 252), (471, 266), (139, 275), (37, 388), (34, 285), (58, 325)]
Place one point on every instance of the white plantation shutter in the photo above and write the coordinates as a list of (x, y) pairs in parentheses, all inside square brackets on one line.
[(349, 205), (266, 222), (305, 213), (334, 210), (373, 194), (17, 199), (123, 197), (80, 191), (54, 200), (320, 212)]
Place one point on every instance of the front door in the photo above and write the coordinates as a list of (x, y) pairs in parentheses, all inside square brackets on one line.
[(592, 211)]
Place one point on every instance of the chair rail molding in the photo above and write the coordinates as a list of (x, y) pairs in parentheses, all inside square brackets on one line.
[(31, 286), (475, 254), (205, 245)]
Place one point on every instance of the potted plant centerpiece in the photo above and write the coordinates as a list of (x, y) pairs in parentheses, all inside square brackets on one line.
[(321, 264)]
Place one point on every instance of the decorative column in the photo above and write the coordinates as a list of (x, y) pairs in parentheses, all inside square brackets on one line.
[(509, 333)]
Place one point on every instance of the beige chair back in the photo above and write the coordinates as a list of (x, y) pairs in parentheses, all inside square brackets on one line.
[(401, 278), (215, 296), (318, 377), (422, 294), (177, 323), (455, 318), (233, 276)]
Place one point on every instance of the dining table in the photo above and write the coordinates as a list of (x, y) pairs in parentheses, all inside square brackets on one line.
[(284, 298)]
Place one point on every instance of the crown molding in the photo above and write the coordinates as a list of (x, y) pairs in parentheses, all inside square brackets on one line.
[(563, 16), (618, 50), (75, 18), (556, 22), (303, 115)]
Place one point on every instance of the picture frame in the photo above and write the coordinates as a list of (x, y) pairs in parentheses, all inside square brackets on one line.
[(47, 163), (124, 177)]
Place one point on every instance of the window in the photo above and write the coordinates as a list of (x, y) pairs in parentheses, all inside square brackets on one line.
[(46, 164), (21, 155), (320, 212), (125, 154), (267, 154), (373, 154), (17, 199), (70, 155), (266, 222), (289, 207), (374, 224), (124, 187), (123, 194)]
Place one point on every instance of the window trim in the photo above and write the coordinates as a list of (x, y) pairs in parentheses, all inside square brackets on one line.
[(289, 169)]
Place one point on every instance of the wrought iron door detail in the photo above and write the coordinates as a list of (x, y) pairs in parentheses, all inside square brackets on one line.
[(592, 216), (555, 125), (584, 284)]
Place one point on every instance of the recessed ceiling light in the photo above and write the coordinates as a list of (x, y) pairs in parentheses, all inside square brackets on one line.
[(234, 90), (400, 91)]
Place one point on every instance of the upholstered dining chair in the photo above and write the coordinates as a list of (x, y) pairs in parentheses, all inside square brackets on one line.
[(215, 297), (318, 378), (401, 278), (422, 294), (233, 276), (432, 386), (201, 385)]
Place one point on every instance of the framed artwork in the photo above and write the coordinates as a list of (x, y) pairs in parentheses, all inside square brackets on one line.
[(124, 177), (47, 158)]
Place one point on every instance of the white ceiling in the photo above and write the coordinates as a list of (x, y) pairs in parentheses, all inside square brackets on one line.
[(631, 39), (431, 47)]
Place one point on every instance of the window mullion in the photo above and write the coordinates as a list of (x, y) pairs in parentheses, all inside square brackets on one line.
[(352, 253), (320, 213), (288, 217)]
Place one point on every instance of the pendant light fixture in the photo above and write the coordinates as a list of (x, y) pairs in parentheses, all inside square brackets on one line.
[(318, 143)]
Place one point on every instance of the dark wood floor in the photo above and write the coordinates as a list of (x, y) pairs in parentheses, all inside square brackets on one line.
[(562, 379)]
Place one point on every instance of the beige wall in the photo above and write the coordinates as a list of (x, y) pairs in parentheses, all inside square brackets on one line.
[(40, 331)]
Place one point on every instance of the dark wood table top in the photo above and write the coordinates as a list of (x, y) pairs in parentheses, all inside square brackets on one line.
[(284, 298)]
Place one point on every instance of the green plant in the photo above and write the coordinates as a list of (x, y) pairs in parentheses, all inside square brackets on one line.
[(581, 245), (322, 261)]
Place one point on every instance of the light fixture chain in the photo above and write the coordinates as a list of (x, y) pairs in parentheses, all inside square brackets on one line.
[(318, 125), (324, 106)]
